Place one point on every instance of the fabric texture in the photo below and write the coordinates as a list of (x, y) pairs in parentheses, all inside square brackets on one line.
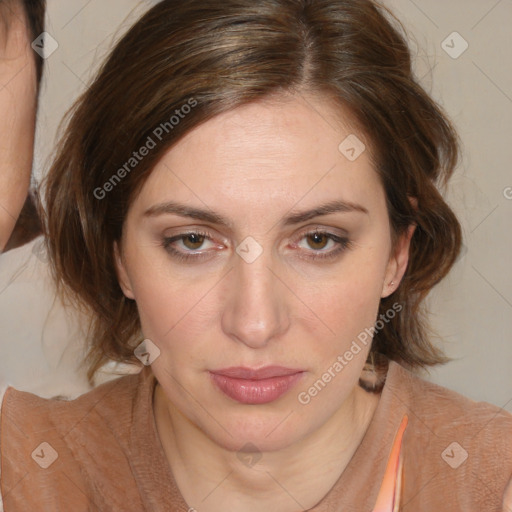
[(101, 451)]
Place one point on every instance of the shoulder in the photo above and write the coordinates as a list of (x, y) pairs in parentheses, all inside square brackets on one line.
[(68, 439), (465, 446), (107, 393), (447, 410), (24, 412)]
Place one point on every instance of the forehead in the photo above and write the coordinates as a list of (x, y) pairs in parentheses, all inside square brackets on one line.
[(268, 152)]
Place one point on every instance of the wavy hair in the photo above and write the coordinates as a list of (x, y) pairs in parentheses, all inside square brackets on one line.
[(224, 54)]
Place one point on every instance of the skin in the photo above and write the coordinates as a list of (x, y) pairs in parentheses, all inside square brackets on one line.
[(255, 165), (18, 94)]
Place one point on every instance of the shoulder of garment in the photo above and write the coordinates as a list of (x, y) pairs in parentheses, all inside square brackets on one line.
[(56, 454), (457, 452)]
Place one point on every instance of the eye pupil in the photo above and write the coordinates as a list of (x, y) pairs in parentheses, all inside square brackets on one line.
[(317, 239), (196, 240)]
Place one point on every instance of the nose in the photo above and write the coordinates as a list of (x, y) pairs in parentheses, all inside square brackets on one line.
[(256, 305)]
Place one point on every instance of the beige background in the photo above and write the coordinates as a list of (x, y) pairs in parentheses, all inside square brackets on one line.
[(471, 310)]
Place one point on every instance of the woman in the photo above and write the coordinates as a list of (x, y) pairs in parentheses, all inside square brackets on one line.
[(246, 201)]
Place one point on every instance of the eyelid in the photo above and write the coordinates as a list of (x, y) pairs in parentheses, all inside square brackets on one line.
[(340, 239), (193, 231), (322, 229), (186, 256), (342, 233)]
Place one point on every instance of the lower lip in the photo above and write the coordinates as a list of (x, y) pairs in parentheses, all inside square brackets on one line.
[(255, 392)]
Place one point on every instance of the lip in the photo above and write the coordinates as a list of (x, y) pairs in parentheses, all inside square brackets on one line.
[(242, 372), (253, 387)]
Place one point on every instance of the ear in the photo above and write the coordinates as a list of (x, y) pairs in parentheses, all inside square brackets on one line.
[(122, 275), (397, 264)]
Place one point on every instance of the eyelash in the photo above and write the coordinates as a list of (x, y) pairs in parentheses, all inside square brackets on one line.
[(343, 244)]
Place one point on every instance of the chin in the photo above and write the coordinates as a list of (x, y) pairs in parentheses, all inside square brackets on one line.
[(248, 441), (261, 431)]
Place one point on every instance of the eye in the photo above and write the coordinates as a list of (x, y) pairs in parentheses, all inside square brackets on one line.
[(191, 241), (325, 245)]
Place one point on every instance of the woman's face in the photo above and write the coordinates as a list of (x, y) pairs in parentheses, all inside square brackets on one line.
[(18, 94), (236, 277)]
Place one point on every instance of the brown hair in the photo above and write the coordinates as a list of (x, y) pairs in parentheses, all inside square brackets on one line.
[(221, 55)]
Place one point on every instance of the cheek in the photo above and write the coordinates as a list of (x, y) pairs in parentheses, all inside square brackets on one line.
[(175, 310), (345, 302), (161, 300), (180, 310), (168, 309), (175, 319), (341, 313)]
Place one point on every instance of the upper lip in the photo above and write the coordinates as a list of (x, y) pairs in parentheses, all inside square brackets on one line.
[(267, 372)]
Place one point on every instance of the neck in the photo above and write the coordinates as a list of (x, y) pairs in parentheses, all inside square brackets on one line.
[(297, 477)]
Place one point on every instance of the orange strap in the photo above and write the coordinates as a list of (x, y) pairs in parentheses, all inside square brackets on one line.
[(388, 499)]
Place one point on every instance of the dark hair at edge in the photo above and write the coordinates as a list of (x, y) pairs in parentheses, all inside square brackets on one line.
[(227, 54)]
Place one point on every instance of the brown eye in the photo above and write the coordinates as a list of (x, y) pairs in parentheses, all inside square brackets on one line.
[(320, 245), (196, 241), (181, 247), (320, 240)]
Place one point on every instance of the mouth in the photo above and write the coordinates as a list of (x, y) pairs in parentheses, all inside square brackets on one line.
[(251, 386)]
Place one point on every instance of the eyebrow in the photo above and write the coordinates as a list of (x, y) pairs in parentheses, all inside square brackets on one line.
[(183, 210)]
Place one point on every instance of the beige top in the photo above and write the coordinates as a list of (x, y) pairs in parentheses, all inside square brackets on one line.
[(101, 451)]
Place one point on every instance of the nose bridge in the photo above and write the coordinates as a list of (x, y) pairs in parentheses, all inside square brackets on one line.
[(256, 308)]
